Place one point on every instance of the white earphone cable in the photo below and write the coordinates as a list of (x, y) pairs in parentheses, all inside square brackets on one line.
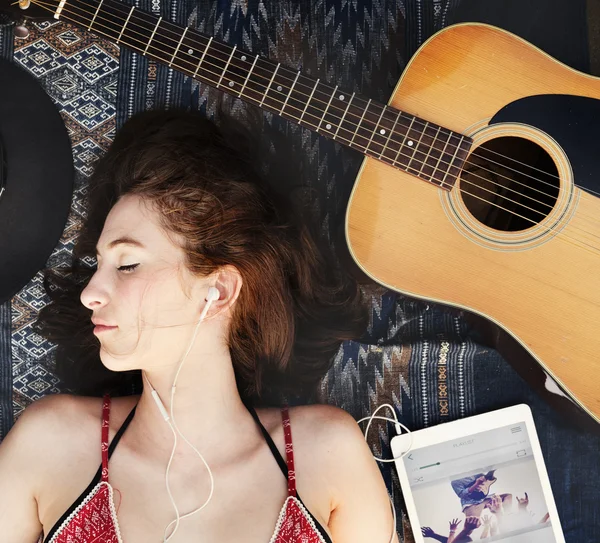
[(212, 295), (399, 427)]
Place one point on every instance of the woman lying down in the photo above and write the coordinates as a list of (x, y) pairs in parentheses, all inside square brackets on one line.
[(215, 301)]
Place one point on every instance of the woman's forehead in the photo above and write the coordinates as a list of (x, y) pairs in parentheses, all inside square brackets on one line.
[(132, 221)]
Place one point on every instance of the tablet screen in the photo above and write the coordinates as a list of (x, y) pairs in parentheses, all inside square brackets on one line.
[(486, 484)]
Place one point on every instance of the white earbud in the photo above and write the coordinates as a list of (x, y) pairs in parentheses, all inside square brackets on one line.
[(213, 294)]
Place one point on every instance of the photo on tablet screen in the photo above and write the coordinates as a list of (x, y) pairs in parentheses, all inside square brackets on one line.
[(485, 486)]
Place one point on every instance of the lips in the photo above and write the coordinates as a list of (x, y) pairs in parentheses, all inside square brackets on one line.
[(103, 328), (101, 322)]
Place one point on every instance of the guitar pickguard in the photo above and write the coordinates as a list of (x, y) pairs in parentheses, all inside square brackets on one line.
[(573, 121)]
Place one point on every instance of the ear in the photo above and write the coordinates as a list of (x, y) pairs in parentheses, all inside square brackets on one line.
[(228, 281)]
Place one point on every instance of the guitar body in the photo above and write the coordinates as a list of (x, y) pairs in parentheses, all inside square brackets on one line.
[(540, 283)]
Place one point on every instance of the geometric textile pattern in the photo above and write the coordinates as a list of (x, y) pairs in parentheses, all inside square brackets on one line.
[(93, 520), (421, 358), (79, 72), (6, 407), (295, 525)]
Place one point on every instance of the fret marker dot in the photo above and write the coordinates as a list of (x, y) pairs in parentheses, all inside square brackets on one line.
[(279, 88), (342, 97), (190, 51), (328, 126), (410, 143), (231, 83), (243, 57), (382, 131)]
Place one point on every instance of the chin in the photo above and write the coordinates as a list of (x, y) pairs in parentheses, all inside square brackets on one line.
[(114, 362)]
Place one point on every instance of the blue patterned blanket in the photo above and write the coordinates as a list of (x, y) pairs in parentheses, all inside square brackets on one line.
[(421, 358)]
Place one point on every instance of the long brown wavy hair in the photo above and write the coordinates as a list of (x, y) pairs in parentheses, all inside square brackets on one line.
[(296, 305)]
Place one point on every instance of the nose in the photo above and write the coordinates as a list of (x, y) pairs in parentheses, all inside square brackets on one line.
[(94, 295)]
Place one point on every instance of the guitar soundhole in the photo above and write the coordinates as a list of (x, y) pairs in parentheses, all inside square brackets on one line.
[(509, 184)]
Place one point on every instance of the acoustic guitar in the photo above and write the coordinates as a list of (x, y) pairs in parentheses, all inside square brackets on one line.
[(480, 183)]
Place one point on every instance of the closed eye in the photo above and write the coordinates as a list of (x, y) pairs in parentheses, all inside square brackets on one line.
[(128, 268)]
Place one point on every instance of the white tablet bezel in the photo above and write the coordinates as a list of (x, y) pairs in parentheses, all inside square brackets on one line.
[(462, 428)]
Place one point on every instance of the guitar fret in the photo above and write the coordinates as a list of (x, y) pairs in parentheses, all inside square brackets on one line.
[(178, 46), (95, 14), (405, 138), (289, 93), (202, 57), (59, 9), (387, 141), (375, 131), (323, 108), (344, 115), (248, 77), (430, 149), (417, 145), (126, 21), (435, 169), (327, 107), (269, 85), (462, 138), (308, 101), (226, 66), (153, 32), (361, 120)]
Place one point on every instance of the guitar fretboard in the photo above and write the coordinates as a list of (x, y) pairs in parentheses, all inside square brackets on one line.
[(421, 148)]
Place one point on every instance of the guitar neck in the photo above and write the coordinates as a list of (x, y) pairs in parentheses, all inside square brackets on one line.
[(428, 151)]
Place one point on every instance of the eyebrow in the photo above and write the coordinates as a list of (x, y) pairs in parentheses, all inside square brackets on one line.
[(124, 240)]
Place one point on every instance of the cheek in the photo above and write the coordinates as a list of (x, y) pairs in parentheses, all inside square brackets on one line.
[(130, 299), (163, 305)]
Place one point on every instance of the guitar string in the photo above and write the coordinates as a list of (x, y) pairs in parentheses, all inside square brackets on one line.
[(533, 222), (392, 139), (234, 63), (491, 203), (120, 6), (496, 173), (586, 195), (350, 113), (178, 28), (473, 184), (530, 167)]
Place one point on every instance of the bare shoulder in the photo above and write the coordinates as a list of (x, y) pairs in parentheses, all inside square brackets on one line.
[(323, 433), (53, 415), (333, 451), (318, 422), (56, 403), (321, 414), (325, 425), (40, 437), (63, 414), (60, 426)]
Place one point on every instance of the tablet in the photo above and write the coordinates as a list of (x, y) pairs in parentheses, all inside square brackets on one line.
[(481, 478)]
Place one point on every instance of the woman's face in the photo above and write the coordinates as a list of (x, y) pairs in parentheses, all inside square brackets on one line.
[(138, 289)]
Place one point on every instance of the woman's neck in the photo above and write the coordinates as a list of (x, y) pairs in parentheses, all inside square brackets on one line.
[(207, 407)]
